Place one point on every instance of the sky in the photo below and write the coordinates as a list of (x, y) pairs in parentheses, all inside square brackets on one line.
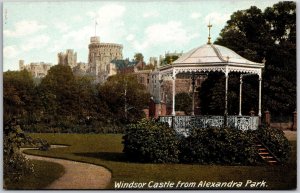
[(37, 31)]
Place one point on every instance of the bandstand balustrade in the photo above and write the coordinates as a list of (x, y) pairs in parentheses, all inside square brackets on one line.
[(184, 124)]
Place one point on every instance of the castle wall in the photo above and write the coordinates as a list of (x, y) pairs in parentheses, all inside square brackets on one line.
[(37, 70)]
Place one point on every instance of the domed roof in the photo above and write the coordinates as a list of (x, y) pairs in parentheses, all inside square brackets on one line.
[(211, 53)]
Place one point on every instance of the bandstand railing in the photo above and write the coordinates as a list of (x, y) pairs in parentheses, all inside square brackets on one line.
[(183, 124)]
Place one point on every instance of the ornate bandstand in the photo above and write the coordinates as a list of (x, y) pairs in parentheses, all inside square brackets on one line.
[(203, 60)]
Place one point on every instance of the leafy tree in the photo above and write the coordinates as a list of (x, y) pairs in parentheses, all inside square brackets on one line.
[(19, 94), (169, 59), (138, 57), (255, 35), (125, 97), (58, 91)]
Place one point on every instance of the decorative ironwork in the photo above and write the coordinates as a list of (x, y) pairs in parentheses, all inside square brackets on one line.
[(184, 124)]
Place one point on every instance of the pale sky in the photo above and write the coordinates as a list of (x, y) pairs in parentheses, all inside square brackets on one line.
[(37, 31)]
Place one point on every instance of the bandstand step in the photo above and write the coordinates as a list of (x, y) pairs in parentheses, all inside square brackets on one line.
[(264, 153), (267, 157), (262, 149)]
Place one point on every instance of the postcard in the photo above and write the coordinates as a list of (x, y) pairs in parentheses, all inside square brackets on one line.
[(149, 95)]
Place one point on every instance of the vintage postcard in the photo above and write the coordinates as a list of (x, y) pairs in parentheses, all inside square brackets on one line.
[(149, 95)]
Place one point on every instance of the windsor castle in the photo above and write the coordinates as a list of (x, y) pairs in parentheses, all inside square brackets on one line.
[(99, 61)]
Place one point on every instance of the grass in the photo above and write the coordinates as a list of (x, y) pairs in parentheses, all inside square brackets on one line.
[(106, 150), (44, 174)]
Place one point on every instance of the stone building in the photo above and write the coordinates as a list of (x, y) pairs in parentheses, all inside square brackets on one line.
[(100, 56), (69, 58), (163, 90), (80, 69), (132, 67), (38, 70), (153, 61)]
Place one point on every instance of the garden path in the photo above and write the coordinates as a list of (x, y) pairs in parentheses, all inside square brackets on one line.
[(77, 175)]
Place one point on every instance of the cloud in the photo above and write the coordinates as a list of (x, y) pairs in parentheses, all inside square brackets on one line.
[(195, 15), (35, 43), (74, 39), (61, 26), (151, 14), (217, 18), (24, 28), (77, 18), (10, 51), (130, 37), (107, 13), (110, 28), (172, 33)]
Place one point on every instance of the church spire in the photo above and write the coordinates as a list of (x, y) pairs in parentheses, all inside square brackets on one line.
[(209, 26)]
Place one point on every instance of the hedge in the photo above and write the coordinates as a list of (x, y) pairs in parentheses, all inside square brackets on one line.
[(149, 141), (218, 146)]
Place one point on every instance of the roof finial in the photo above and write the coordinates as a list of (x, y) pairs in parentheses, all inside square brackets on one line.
[(264, 60), (209, 26)]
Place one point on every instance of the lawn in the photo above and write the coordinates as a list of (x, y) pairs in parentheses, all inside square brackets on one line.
[(106, 150), (44, 174)]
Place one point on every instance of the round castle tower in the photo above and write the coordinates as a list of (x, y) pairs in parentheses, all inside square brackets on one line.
[(101, 54)]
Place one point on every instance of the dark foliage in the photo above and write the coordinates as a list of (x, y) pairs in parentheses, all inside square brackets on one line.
[(66, 103), (14, 163), (183, 102), (218, 146), (125, 98), (149, 141)]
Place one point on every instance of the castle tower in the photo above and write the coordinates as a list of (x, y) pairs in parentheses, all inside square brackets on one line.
[(21, 65), (69, 58), (100, 55), (94, 54)]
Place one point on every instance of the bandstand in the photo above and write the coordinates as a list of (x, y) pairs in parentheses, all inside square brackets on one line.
[(203, 60)]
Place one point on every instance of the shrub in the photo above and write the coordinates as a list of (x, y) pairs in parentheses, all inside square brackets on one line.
[(15, 165), (276, 142), (218, 145), (149, 141)]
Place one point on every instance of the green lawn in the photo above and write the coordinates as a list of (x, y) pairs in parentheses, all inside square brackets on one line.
[(106, 150), (44, 174)]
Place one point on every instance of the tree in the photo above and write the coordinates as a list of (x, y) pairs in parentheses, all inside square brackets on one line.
[(138, 57), (19, 96), (58, 92), (125, 97), (169, 59), (255, 35)]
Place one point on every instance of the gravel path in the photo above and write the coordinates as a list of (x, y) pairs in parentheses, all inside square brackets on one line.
[(291, 135), (77, 175)]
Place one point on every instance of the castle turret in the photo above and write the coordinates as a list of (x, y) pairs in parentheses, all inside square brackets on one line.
[(21, 65)]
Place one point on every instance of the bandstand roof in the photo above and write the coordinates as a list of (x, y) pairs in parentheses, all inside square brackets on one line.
[(212, 57)]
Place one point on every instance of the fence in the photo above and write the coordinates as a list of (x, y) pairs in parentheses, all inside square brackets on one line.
[(183, 124)]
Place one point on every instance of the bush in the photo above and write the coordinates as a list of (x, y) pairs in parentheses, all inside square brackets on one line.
[(149, 141), (276, 142), (218, 145), (15, 165)]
